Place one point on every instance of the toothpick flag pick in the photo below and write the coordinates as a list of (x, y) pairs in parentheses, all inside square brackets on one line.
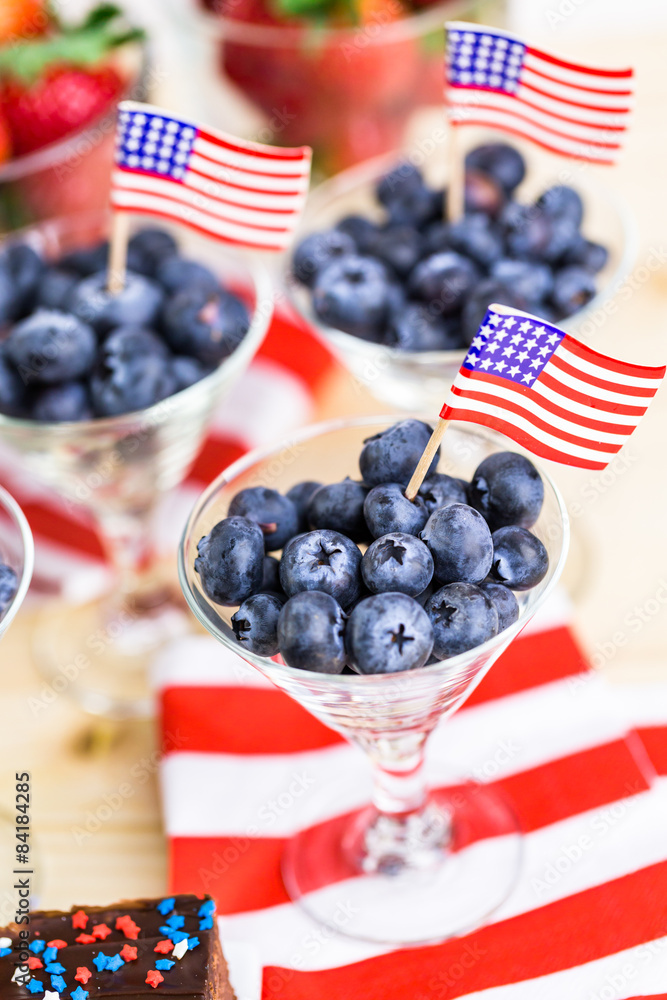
[(495, 79), (240, 192)]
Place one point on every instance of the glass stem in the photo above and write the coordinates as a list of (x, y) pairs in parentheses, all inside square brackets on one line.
[(399, 784), (127, 540)]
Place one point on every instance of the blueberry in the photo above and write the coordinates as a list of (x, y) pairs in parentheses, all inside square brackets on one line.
[(54, 288), (520, 559), (322, 560), (230, 560), (415, 327), (138, 303), (462, 617), (300, 495), (502, 162), (255, 624), (530, 281), (65, 402), (564, 236), (361, 229), (443, 280), (186, 371), (85, 261), (562, 201), (276, 515), (12, 387), (352, 294), (21, 269), (134, 372), (483, 193), (8, 586), (440, 490), (573, 289), (392, 455), (504, 602), (340, 506), (460, 543), (51, 346), (318, 250), (507, 489), (528, 231), (176, 274), (387, 509), (403, 178), (397, 562), (407, 199), (388, 633), (474, 237), (271, 575), (399, 247), (584, 253), (487, 291), (153, 245), (209, 326), (311, 629)]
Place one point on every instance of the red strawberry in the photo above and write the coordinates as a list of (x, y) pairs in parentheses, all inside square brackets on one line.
[(63, 100), (5, 140)]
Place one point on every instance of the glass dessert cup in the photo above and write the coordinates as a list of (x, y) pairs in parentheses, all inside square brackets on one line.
[(414, 865), (408, 380), (71, 175), (347, 92), (116, 470)]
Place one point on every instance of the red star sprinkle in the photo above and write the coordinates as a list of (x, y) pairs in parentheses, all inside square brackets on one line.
[(83, 975), (35, 963), (128, 953), (164, 947), (79, 920), (154, 978), (85, 939), (56, 944), (101, 931), (127, 925)]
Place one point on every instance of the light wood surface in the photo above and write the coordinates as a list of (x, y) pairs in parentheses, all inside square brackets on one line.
[(616, 574)]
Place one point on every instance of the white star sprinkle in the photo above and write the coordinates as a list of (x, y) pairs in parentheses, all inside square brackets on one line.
[(51, 995), (180, 949), (500, 365), (528, 379), (485, 364), (525, 327)]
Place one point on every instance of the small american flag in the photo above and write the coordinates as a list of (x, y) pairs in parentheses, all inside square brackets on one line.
[(236, 191), (495, 80), (559, 399)]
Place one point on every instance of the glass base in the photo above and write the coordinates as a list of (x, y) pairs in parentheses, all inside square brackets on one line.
[(98, 653), (403, 882)]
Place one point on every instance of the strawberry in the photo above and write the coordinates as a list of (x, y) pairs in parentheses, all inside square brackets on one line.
[(5, 141), (56, 85), (22, 19)]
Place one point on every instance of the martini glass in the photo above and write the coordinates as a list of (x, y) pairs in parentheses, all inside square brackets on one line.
[(413, 865), (16, 550), (116, 470)]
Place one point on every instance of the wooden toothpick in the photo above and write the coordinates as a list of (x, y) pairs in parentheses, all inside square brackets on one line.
[(455, 176), (424, 463), (120, 233)]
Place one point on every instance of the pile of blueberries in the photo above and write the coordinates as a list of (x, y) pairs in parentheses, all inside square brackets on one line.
[(416, 283), (369, 580), (70, 350), (8, 586)]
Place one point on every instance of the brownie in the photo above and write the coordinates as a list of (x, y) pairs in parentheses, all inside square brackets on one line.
[(167, 947)]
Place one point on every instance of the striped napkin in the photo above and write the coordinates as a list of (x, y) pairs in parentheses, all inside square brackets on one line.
[(245, 768)]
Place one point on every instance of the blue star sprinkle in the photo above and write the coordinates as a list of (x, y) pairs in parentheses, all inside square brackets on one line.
[(58, 984), (114, 963), (166, 906), (100, 962), (4, 952), (177, 936), (206, 923), (37, 947), (55, 968), (192, 943), (175, 921), (35, 986), (50, 955), (80, 994), (207, 909), (164, 964)]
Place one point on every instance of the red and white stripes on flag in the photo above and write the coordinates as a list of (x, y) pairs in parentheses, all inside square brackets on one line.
[(494, 79), (552, 394), (241, 192)]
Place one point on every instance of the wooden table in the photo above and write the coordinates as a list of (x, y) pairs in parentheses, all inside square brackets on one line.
[(617, 576)]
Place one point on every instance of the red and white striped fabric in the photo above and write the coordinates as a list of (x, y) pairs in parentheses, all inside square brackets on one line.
[(494, 79), (552, 394), (588, 919), (237, 191)]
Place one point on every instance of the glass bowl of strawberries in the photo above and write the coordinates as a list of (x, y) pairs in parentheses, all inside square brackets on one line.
[(59, 87)]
